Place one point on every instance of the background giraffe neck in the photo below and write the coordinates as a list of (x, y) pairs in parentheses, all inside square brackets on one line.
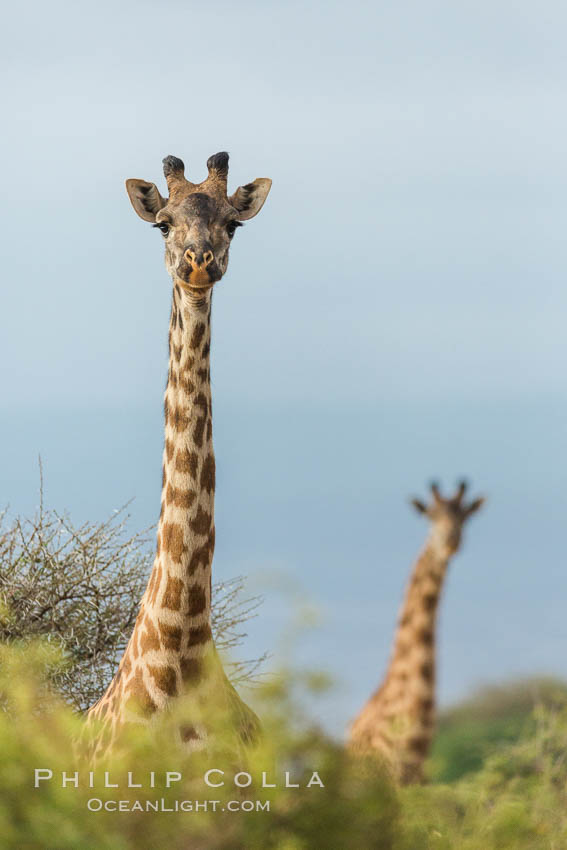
[(398, 719), (415, 633), (406, 701)]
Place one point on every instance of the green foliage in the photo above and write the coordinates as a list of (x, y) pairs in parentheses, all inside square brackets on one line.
[(496, 715), (68, 600), (515, 801), (356, 808)]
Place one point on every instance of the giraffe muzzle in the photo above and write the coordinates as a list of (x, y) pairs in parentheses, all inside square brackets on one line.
[(201, 271)]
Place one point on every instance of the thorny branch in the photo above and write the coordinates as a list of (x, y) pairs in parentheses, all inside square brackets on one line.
[(80, 587)]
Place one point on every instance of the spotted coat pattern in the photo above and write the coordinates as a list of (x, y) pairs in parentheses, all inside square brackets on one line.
[(171, 652), (398, 720), (172, 631)]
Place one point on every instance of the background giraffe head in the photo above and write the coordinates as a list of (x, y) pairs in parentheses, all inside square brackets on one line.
[(448, 516), (198, 220)]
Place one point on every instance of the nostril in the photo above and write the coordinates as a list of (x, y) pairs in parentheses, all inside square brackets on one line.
[(198, 259)]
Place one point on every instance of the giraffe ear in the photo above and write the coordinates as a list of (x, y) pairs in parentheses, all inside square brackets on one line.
[(419, 506), (249, 199), (474, 506), (145, 198)]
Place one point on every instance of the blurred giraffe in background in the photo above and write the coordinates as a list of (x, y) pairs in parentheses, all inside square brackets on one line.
[(171, 653), (398, 720)]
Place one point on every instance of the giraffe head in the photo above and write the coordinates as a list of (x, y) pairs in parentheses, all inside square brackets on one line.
[(197, 220), (448, 516)]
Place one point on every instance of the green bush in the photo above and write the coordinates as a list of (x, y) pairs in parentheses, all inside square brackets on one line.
[(468, 733), (515, 801), (356, 808)]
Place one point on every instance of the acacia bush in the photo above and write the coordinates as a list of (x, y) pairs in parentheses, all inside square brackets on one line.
[(79, 588)]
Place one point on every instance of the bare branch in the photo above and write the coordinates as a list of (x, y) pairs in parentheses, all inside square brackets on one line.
[(80, 588)]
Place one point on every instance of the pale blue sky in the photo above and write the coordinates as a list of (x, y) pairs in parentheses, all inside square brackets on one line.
[(395, 312)]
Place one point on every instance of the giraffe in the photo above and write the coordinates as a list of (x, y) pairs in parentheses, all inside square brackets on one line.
[(171, 652), (397, 721)]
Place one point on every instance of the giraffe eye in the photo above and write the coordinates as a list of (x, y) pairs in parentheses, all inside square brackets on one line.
[(231, 227), (163, 226)]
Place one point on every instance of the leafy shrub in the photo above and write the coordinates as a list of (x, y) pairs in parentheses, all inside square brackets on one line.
[(516, 801), (468, 733), (357, 807)]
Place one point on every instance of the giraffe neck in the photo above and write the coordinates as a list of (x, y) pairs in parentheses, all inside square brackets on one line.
[(179, 590), (414, 642), (172, 634), (398, 719), (407, 697)]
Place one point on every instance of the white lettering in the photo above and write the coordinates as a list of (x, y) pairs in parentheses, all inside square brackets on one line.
[(247, 780), (208, 774), (131, 783), (107, 782), (74, 779), (265, 783), (38, 778), (315, 780), (172, 776), (289, 784)]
